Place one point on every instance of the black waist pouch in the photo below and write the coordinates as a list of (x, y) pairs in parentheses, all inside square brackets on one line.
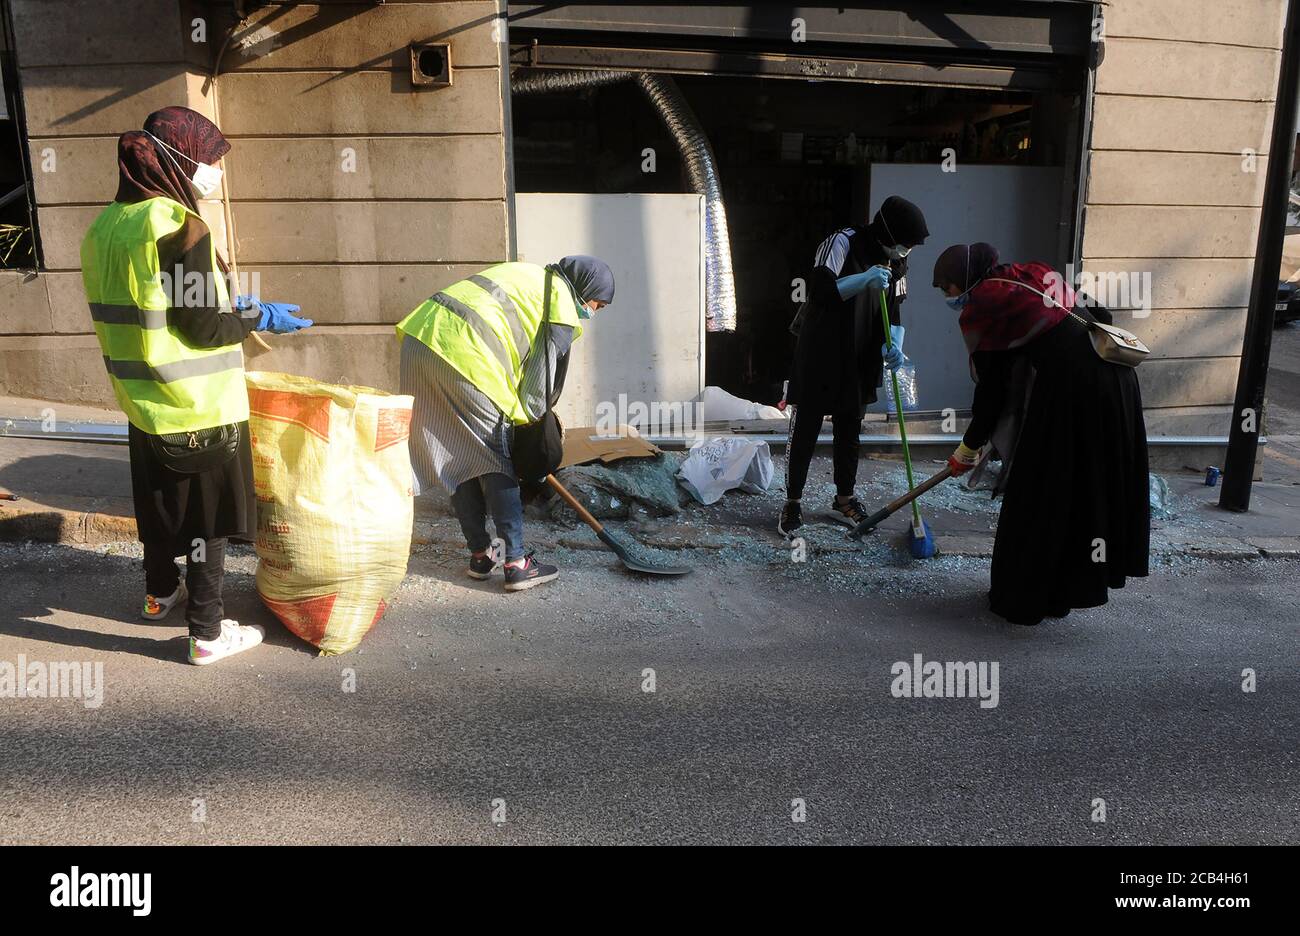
[(197, 451)]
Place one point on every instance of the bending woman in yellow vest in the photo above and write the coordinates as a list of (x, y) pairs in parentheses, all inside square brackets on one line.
[(171, 343), (473, 360)]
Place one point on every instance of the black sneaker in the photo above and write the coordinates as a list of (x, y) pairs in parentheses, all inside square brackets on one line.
[(791, 518), (529, 574), (481, 567), (850, 513)]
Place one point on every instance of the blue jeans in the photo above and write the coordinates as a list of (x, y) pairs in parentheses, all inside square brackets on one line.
[(497, 494)]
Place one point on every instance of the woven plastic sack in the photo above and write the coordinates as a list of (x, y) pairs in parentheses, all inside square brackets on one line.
[(332, 473)]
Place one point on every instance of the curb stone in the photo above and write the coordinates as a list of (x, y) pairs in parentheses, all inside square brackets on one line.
[(30, 521)]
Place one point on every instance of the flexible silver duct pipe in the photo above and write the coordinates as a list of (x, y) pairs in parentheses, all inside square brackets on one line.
[(701, 168), (543, 81)]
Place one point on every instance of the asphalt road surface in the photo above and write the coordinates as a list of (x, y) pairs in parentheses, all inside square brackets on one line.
[(473, 706)]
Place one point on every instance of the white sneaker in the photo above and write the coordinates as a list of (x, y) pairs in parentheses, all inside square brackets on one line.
[(235, 638), (155, 609)]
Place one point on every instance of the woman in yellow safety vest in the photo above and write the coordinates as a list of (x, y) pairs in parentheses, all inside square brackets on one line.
[(171, 341), (474, 359)]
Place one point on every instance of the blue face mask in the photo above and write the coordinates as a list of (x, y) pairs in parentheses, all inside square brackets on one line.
[(957, 302), (584, 312)]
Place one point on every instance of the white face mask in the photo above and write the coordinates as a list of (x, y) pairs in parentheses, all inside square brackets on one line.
[(206, 179)]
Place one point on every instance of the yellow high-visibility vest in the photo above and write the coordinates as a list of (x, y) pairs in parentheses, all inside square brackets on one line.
[(163, 384), (485, 325)]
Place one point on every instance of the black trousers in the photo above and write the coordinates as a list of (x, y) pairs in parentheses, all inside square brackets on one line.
[(804, 429), (203, 580)]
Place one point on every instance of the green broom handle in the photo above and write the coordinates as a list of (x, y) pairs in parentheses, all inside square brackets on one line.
[(898, 405)]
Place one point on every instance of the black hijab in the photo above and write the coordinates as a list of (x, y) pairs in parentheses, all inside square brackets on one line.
[(899, 222)]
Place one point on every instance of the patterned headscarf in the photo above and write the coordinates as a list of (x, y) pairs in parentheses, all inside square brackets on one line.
[(146, 169)]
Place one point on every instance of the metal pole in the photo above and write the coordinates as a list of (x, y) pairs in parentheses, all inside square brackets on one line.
[(1247, 407), (1096, 52), (507, 114)]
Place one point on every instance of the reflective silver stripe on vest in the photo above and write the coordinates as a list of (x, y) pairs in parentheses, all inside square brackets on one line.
[(177, 370), (480, 327), (522, 344), (107, 314)]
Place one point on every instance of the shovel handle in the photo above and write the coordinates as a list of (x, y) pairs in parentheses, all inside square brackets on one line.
[(869, 524), (573, 502), (919, 490)]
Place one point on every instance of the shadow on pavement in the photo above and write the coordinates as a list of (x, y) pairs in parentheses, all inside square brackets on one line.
[(110, 588), (71, 481)]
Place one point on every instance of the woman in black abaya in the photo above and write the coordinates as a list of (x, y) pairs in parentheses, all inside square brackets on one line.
[(1075, 517)]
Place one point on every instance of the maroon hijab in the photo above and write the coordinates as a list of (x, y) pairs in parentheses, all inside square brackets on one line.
[(149, 170), (964, 265)]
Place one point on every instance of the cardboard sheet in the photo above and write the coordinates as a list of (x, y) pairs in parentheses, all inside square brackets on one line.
[(583, 445)]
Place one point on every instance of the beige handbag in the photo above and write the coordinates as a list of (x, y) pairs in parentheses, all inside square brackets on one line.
[(1113, 344)]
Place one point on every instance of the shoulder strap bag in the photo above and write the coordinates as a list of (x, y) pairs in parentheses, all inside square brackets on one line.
[(1113, 344), (537, 448)]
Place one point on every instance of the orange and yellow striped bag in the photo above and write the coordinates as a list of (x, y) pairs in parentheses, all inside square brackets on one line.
[(332, 473)]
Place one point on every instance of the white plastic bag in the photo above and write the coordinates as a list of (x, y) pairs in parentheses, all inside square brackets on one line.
[(715, 466), (721, 406)]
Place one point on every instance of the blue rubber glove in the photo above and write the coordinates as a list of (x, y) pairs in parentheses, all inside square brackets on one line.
[(850, 286), (278, 318), (893, 351)]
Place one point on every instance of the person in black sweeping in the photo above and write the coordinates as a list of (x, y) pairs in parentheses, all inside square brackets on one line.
[(1075, 517), (841, 350)]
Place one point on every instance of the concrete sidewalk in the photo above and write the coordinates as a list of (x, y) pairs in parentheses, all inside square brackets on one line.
[(76, 492), (80, 493)]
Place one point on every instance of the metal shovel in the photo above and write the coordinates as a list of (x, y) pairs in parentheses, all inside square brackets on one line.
[(619, 549)]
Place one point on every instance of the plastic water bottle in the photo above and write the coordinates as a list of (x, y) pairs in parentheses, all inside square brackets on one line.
[(906, 374)]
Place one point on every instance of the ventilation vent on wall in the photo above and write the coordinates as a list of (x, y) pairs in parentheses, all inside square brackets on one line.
[(431, 65)]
